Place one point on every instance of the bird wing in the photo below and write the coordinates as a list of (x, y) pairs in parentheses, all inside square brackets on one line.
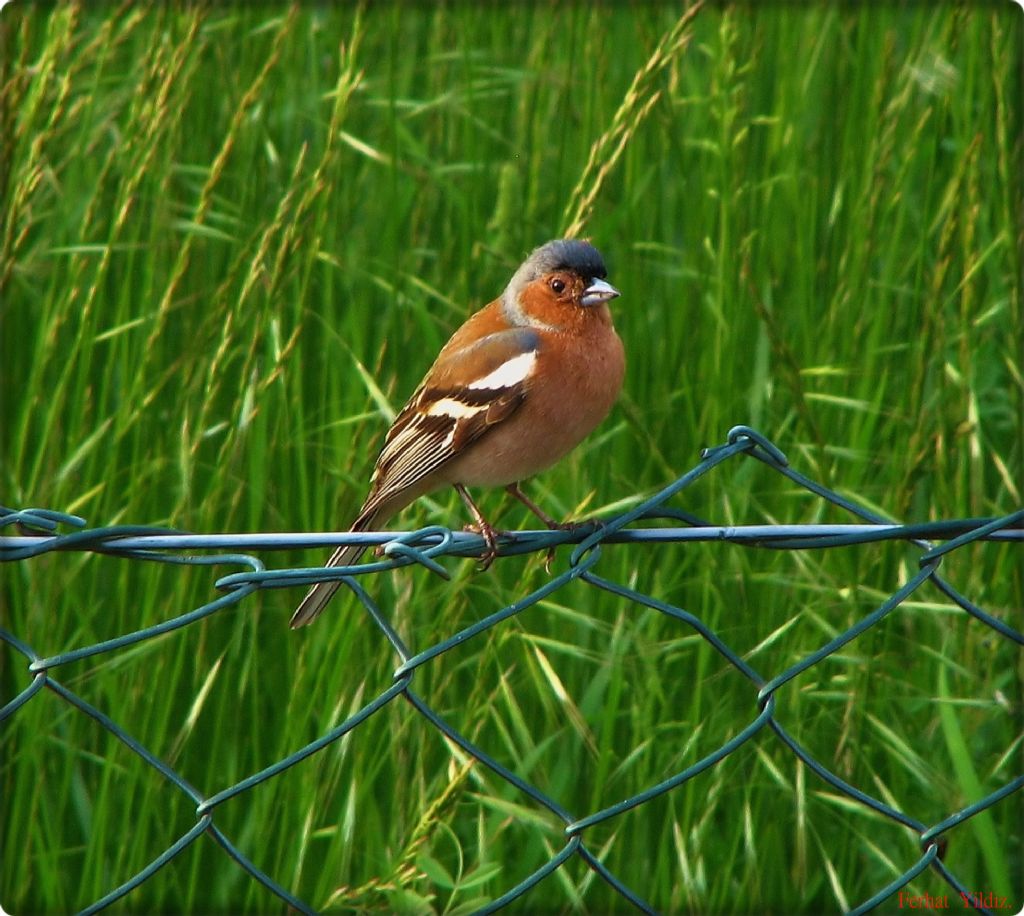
[(467, 392)]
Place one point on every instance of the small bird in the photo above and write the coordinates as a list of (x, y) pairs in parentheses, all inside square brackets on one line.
[(514, 390)]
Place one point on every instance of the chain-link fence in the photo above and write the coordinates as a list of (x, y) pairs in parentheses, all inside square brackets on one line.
[(36, 537)]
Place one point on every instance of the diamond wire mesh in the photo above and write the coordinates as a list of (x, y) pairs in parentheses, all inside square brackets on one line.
[(423, 547)]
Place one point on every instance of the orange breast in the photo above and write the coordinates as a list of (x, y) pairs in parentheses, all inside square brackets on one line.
[(581, 380)]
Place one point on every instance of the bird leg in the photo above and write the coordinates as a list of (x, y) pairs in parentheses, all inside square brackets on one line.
[(514, 490), (482, 527), (517, 492)]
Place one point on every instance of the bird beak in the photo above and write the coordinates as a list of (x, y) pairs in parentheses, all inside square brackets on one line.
[(598, 292)]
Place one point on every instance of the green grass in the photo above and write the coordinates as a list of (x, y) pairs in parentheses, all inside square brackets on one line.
[(224, 226)]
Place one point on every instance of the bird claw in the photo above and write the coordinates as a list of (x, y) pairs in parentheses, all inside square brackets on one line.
[(549, 557), (573, 526), (490, 537)]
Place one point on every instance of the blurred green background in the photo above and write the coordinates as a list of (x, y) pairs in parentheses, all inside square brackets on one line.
[(234, 236)]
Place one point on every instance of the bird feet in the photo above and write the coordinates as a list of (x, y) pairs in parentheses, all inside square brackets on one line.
[(490, 536), (549, 556), (481, 527)]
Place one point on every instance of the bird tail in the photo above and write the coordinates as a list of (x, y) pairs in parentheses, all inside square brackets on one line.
[(317, 597)]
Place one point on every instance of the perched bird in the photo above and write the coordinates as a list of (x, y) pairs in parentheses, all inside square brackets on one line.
[(516, 388)]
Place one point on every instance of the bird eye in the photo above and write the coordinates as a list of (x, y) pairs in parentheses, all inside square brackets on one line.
[(558, 285)]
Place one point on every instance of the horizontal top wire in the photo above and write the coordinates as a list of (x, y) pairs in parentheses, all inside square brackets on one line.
[(291, 540)]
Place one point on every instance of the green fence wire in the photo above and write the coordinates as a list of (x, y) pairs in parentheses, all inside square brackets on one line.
[(37, 527)]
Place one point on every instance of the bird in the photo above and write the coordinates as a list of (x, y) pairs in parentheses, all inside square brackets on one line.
[(516, 388)]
